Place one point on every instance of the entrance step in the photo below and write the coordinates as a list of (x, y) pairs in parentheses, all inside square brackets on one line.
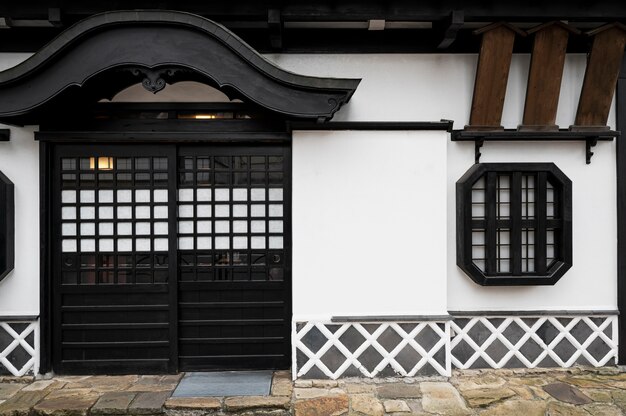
[(225, 383), (240, 393)]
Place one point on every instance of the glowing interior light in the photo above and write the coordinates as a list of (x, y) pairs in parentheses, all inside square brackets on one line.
[(104, 163)]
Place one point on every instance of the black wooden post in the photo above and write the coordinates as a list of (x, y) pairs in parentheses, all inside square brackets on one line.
[(621, 212)]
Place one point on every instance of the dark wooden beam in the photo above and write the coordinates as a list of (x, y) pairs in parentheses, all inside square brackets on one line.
[(545, 75), (275, 26), (492, 75), (449, 28), (603, 69), (54, 16)]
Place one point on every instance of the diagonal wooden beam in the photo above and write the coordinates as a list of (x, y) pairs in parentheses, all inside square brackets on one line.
[(545, 75), (492, 75), (603, 68)]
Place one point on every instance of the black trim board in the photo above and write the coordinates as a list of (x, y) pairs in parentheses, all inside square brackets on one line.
[(391, 318), (45, 264), (18, 318), (621, 212), (372, 125), (533, 313)]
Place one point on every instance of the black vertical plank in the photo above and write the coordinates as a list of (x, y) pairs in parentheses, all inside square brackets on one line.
[(287, 238), (490, 215), (45, 291), (463, 217), (621, 212), (172, 215), (540, 215), (516, 219), (54, 275)]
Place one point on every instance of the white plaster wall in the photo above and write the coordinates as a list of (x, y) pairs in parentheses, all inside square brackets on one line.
[(395, 87), (368, 223), (591, 284), (432, 87), (410, 87), (19, 161)]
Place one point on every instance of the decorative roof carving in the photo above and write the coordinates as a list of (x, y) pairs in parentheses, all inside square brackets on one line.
[(160, 47)]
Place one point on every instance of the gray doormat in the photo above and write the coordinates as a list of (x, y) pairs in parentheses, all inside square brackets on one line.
[(225, 383)]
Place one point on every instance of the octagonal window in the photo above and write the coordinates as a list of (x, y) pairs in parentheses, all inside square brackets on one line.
[(514, 223)]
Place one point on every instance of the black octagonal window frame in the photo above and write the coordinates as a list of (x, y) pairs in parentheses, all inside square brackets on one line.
[(543, 271), (7, 226)]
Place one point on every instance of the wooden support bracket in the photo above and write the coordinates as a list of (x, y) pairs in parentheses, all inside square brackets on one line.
[(492, 75), (601, 75), (544, 78), (590, 137)]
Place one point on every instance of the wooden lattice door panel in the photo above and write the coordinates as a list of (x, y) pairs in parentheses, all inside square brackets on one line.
[(113, 258), (234, 280)]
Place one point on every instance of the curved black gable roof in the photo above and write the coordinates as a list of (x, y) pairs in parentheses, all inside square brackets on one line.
[(103, 54)]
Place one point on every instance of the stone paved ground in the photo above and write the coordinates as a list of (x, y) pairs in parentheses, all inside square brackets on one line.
[(482, 393)]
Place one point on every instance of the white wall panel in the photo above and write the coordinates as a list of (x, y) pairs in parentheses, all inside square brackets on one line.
[(369, 223), (19, 161), (591, 283)]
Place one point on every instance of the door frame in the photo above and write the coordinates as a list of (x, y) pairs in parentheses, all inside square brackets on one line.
[(620, 103), (91, 131)]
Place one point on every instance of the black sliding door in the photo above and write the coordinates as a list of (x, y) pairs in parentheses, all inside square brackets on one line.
[(169, 258), (234, 279)]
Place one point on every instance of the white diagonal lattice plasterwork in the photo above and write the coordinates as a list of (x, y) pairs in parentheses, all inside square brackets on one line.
[(331, 350), (541, 341), (19, 355)]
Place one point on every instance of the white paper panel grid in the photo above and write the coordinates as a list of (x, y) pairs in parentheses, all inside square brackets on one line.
[(541, 341), (219, 212), (133, 219), (19, 357), (325, 349)]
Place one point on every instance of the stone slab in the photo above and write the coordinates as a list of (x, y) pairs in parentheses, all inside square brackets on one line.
[(8, 390), (399, 390), (43, 385), (366, 404), (322, 406), (396, 406), (148, 403), (603, 409), (564, 409), (193, 403), (21, 403), (282, 384), (154, 384), (68, 393), (256, 402), (70, 405), (516, 408), (16, 379), (441, 397), (113, 403), (311, 393), (566, 393), (486, 396)]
